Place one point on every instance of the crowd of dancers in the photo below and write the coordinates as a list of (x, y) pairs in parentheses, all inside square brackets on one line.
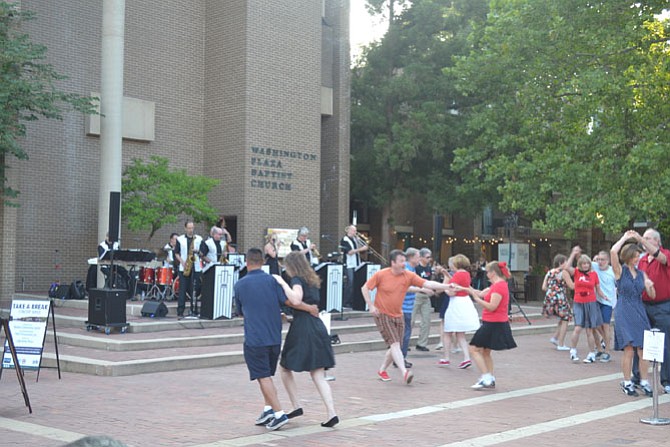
[(630, 283)]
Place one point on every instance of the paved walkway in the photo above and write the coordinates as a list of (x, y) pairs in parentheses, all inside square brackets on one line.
[(541, 398)]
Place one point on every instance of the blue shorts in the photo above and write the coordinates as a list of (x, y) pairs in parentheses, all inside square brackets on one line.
[(261, 360), (606, 311)]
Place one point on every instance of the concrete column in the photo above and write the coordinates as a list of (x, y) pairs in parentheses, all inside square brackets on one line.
[(111, 107)]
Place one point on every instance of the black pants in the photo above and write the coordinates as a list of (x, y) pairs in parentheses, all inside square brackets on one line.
[(191, 285)]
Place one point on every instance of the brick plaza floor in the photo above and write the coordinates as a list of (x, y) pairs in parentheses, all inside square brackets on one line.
[(541, 398)]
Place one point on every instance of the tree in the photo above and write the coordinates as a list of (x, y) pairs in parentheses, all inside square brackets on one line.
[(569, 118), (27, 89), (404, 125), (154, 196)]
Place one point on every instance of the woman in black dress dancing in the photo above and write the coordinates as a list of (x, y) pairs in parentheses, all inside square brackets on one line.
[(307, 346)]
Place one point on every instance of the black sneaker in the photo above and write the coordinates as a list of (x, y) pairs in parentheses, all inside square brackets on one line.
[(275, 423), (647, 390), (422, 348), (408, 364), (628, 389), (265, 417)]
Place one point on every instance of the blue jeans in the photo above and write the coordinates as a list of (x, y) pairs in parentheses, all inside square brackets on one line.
[(659, 317), (408, 332)]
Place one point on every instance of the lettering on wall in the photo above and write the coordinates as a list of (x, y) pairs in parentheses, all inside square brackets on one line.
[(276, 168)]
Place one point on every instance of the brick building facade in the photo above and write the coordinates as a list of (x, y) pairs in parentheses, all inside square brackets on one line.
[(254, 93)]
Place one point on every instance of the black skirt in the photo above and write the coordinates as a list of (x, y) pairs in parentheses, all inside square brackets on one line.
[(495, 336), (307, 346)]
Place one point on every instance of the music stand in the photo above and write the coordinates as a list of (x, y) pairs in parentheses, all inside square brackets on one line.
[(4, 323), (512, 300)]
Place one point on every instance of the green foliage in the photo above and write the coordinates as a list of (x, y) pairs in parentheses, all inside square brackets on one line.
[(27, 89), (154, 195), (404, 120), (569, 122)]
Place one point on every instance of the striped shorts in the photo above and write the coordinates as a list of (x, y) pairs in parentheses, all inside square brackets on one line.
[(391, 328)]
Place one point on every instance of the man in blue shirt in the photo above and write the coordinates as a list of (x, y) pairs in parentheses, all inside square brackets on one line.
[(258, 299), (412, 256)]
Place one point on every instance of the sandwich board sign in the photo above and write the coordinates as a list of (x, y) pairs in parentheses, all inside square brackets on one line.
[(28, 325)]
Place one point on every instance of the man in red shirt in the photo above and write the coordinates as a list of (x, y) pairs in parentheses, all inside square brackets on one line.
[(654, 262), (392, 283)]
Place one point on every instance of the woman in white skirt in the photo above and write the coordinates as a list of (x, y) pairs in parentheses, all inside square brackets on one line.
[(461, 315)]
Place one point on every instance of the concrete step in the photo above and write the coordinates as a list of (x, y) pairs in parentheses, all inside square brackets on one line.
[(195, 358), (139, 361), (167, 344)]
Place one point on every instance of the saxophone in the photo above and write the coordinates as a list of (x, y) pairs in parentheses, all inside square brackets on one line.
[(223, 259), (190, 259)]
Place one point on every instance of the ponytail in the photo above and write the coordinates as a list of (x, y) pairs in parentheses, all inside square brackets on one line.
[(499, 268)]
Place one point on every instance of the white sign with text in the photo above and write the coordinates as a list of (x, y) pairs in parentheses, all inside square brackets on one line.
[(28, 325)]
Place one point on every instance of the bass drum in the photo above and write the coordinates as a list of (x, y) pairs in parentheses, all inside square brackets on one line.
[(164, 276)]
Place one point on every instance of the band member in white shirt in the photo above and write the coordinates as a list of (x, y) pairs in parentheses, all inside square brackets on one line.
[(106, 246), (188, 244), (305, 246), (352, 247), (111, 280), (169, 249), (213, 249)]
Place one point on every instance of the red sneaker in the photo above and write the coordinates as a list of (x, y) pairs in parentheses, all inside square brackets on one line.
[(444, 362), (408, 377), (465, 364), (383, 376)]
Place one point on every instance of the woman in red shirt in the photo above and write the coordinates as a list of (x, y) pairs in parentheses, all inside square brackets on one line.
[(586, 285), (495, 333)]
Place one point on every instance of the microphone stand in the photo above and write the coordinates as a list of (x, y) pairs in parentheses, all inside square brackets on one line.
[(112, 267)]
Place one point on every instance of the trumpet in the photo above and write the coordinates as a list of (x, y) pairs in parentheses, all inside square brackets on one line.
[(366, 241)]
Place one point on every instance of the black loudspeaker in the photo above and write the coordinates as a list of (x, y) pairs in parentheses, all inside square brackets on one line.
[(107, 307), (62, 292), (154, 309), (77, 290), (114, 215)]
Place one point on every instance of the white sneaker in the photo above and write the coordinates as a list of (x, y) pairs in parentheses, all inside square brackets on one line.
[(563, 348), (553, 340), (590, 358), (573, 355)]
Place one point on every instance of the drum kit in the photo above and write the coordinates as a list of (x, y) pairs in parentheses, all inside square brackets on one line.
[(160, 282)]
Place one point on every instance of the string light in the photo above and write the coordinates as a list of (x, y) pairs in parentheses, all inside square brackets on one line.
[(428, 240)]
